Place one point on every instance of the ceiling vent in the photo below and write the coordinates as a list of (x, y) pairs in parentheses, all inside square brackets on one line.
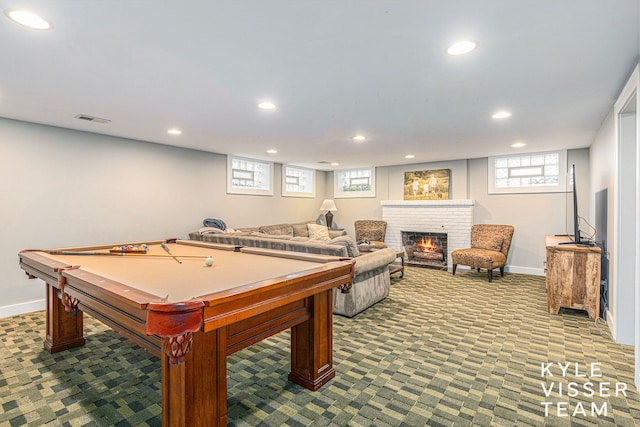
[(92, 119)]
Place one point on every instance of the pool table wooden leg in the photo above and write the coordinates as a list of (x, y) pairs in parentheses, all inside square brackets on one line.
[(194, 392), (312, 344), (64, 328)]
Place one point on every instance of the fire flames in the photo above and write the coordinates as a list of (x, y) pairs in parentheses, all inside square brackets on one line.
[(426, 245), (426, 250)]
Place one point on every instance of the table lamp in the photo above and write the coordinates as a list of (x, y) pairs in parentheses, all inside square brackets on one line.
[(328, 205)]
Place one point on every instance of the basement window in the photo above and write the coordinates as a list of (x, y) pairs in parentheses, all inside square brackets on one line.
[(528, 173), (298, 181), (355, 183), (247, 176)]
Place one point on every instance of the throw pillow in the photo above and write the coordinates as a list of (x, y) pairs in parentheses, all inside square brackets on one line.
[(492, 243), (352, 248), (318, 232)]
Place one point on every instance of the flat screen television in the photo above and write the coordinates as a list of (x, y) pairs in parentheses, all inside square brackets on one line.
[(576, 238)]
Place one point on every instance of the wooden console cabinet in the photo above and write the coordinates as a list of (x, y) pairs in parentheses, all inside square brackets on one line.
[(573, 276)]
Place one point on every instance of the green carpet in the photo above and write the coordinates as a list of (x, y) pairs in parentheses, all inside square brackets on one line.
[(441, 350)]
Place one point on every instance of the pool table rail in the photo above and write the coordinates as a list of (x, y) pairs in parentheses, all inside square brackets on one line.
[(193, 338), (232, 305), (122, 308)]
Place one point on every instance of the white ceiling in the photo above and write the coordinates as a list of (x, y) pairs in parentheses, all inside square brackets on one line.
[(334, 68)]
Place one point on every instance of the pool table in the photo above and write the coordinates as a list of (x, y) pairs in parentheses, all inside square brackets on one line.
[(192, 315)]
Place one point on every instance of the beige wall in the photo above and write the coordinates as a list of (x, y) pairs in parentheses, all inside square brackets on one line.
[(62, 188), (603, 165), (390, 186), (615, 161), (532, 215)]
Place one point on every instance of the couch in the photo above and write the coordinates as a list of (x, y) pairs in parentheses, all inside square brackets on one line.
[(371, 283), (283, 237)]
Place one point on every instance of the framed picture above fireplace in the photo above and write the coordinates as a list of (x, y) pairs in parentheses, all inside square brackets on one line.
[(427, 184)]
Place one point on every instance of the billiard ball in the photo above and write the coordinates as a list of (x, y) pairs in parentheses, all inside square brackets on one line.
[(208, 262)]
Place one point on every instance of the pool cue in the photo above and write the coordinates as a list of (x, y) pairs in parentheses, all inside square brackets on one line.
[(73, 253), (166, 249)]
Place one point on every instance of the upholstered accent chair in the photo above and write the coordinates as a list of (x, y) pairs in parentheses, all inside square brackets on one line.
[(372, 231), (490, 245)]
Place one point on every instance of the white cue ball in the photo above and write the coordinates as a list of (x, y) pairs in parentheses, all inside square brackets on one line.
[(208, 262)]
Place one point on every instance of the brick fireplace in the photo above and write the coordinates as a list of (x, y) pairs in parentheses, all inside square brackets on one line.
[(453, 218)]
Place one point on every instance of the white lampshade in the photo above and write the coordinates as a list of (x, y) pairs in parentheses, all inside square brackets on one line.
[(328, 205)]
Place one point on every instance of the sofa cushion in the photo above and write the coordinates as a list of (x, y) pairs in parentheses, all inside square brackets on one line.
[(300, 230), (278, 229), (373, 260), (272, 236), (224, 238), (333, 233), (318, 232), (492, 243), (349, 243), (241, 230), (478, 258)]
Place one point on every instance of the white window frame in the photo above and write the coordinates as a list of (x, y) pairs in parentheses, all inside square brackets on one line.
[(340, 175), (561, 187), (236, 173), (311, 175)]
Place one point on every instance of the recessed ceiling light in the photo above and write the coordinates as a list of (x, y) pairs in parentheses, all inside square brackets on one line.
[(28, 19), (174, 132), (267, 105), (518, 145), (359, 138), (335, 164), (462, 47), (501, 115), (272, 151), (409, 156)]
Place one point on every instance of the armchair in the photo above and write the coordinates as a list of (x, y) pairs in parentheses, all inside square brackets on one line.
[(371, 230), (489, 249)]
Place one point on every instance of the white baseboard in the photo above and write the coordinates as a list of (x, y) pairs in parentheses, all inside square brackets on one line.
[(609, 319), (614, 330), (525, 270), (25, 307)]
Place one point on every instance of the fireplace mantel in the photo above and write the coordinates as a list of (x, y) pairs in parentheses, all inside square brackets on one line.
[(429, 203), (452, 216)]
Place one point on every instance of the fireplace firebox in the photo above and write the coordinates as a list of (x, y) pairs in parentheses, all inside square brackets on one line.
[(425, 249)]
